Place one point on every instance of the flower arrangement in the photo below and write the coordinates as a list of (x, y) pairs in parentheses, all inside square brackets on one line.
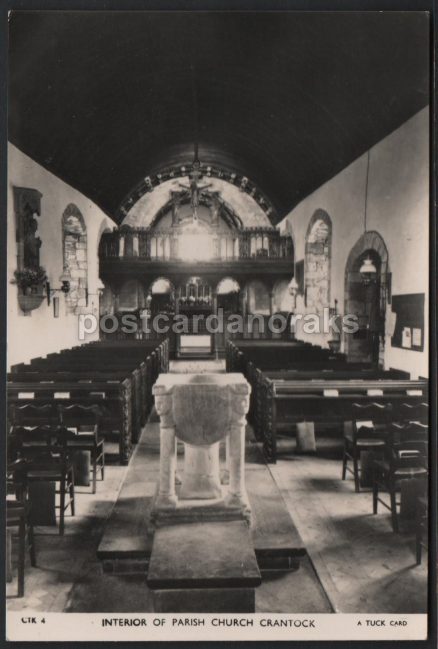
[(29, 277)]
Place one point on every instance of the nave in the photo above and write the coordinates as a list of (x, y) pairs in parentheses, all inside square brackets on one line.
[(219, 397), (355, 562)]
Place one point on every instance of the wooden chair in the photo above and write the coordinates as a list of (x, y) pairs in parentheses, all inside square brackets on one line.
[(79, 428), (18, 516), (366, 432), (24, 419), (406, 459), (415, 412), (47, 460)]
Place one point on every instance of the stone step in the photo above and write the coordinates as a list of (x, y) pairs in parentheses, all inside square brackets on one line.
[(128, 534), (203, 555), (197, 514)]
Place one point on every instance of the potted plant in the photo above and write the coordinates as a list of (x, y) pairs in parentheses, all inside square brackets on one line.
[(30, 282)]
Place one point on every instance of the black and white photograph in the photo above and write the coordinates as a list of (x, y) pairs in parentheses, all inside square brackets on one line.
[(218, 418)]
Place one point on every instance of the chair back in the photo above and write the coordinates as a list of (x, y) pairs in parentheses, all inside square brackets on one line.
[(77, 418), (32, 415), (415, 412), (39, 444), (408, 445), (371, 419), (412, 431), (33, 431)]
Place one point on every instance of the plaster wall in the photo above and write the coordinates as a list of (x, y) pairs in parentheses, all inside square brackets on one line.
[(397, 208), (40, 333)]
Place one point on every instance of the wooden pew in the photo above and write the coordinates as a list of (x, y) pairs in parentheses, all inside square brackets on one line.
[(246, 356), (105, 358), (276, 355), (239, 350), (110, 369), (284, 403), (49, 375), (133, 349), (341, 371), (115, 365), (113, 399), (113, 355)]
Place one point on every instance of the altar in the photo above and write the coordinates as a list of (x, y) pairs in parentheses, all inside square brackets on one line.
[(195, 303), (192, 346)]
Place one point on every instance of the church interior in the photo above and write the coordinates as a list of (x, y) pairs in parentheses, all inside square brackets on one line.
[(200, 207)]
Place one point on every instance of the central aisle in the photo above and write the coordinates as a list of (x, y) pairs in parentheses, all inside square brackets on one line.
[(127, 541)]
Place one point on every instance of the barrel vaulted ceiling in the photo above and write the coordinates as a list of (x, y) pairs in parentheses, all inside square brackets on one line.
[(104, 99)]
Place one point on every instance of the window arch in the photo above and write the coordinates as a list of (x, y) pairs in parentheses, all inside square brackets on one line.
[(368, 303), (318, 261), (74, 245)]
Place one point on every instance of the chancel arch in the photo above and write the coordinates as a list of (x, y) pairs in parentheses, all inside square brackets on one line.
[(236, 194)]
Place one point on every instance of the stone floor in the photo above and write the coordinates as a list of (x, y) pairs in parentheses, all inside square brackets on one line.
[(62, 560), (361, 564)]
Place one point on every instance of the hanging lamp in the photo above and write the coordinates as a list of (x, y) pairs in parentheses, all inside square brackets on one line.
[(368, 270)]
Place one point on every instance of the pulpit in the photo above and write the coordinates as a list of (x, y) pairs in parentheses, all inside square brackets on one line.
[(202, 410)]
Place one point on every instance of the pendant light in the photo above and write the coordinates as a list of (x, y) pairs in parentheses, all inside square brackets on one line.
[(368, 270), (196, 165)]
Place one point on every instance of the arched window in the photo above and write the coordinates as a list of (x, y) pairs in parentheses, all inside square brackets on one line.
[(318, 261), (74, 242)]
